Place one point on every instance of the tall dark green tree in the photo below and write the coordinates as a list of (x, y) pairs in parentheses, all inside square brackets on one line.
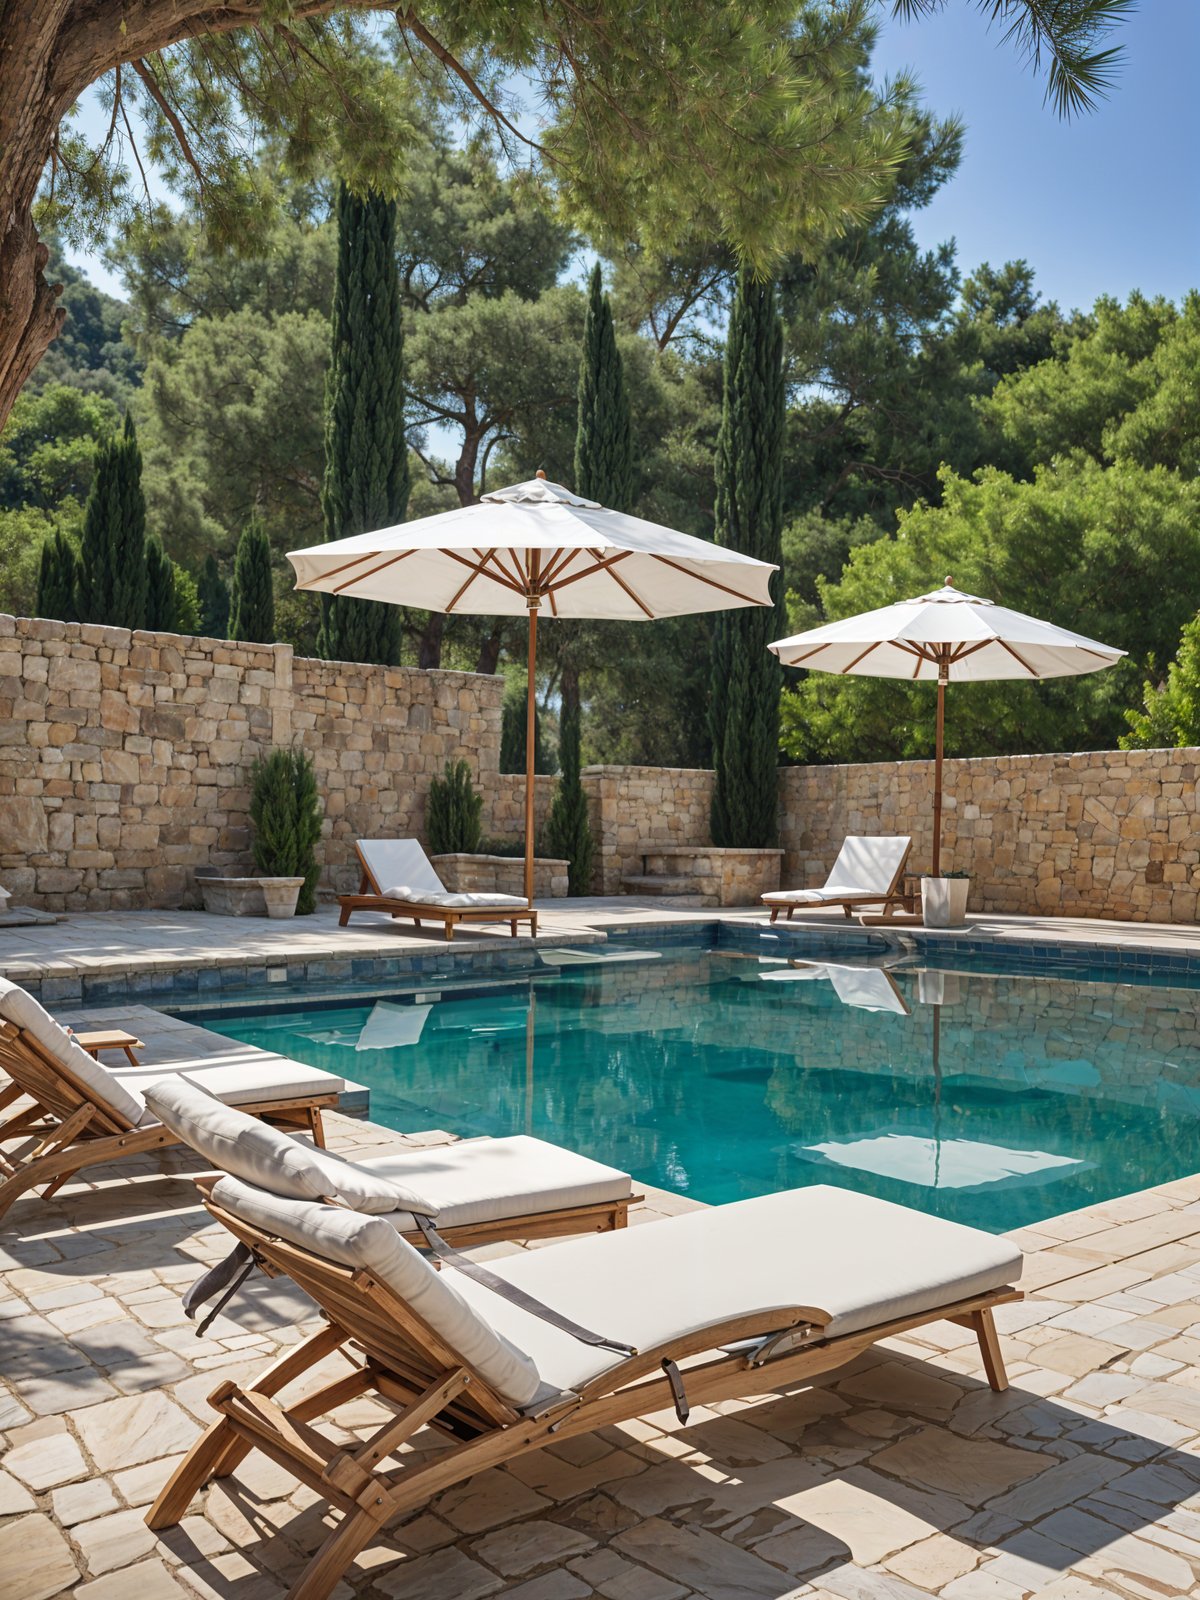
[(58, 576), (746, 680), (214, 600), (366, 454), (513, 736), (162, 614), (568, 831), (604, 435), (252, 601), (112, 574)]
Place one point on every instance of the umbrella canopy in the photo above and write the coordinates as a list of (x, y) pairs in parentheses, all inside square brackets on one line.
[(536, 548), (949, 637)]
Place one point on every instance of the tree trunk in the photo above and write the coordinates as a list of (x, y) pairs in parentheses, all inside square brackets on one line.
[(429, 646), (489, 650)]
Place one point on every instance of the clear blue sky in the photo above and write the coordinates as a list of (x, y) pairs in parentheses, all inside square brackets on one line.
[(1102, 204)]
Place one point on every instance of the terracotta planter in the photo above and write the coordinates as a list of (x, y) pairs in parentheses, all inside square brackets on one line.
[(249, 897), (944, 902)]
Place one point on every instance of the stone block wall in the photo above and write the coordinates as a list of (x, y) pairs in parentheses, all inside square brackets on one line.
[(1094, 834), (125, 757), (629, 806)]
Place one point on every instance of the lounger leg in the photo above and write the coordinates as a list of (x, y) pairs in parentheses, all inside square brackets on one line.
[(449, 929), (316, 1126), (533, 925), (774, 913), (325, 1570), (989, 1348), (345, 917), (219, 1449)]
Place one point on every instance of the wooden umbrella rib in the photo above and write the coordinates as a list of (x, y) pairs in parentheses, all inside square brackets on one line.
[(862, 656), (1004, 645), (711, 582), (605, 564), (500, 577), (363, 576), (512, 572), (636, 598), (480, 566), (553, 572)]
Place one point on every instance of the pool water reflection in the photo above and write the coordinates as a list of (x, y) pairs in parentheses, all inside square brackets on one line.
[(994, 1100)]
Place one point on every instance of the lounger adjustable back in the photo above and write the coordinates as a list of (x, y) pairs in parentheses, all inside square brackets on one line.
[(399, 863), (867, 989), (869, 863), (47, 1063), (432, 1322), (241, 1145)]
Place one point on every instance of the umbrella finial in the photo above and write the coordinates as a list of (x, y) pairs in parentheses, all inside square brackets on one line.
[(949, 582), (541, 474)]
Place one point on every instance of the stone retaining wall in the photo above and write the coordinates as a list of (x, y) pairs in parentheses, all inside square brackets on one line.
[(125, 758), (631, 806), (1094, 834)]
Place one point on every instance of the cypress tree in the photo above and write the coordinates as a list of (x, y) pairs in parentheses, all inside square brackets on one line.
[(161, 610), (746, 678), (214, 600), (285, 810), (252, 601), (568, 832), (366, 455), (58, 577), (512, 736), (112, 577), (604, 432)]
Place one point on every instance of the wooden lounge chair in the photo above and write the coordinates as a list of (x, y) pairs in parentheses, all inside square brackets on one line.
[(398, 878), (480, 1190), (742, 1299), (72, 1111), (868, 872), (863, 988)]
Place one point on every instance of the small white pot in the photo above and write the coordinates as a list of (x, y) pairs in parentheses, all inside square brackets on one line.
[(944, 902), (281, 895)]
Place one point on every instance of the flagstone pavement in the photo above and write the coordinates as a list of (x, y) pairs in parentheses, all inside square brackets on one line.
[(902, 1476)]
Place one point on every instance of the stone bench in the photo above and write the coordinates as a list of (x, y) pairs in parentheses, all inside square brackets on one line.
[(704, 875)]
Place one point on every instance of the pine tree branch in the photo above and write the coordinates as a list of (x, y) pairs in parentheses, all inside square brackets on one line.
[(411, 23), (168, 111)]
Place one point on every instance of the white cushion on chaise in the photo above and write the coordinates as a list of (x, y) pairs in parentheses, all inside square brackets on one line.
[(866, 868), (861, 1260), (402, 871)]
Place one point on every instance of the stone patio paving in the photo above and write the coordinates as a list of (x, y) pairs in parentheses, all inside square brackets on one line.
[(903, 1476)]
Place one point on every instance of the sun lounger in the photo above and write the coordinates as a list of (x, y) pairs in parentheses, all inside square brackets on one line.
[(717, 1304), (481, 1190), (72, 1111), (398, 878), (867, 872), (863, 988)]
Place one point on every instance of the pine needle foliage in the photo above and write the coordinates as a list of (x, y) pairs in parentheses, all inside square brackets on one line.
[(454, 812), (1170, 713), (112, 568), (746, 679), (366, 455), (568, 831), (285, 811), (252, 601), (214, 600), (58, 576)]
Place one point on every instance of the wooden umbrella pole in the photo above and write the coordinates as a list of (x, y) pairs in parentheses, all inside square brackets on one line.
[(937, 774), (530, 747)]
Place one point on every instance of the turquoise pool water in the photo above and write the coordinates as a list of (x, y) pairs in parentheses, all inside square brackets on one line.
[(992, 1099)]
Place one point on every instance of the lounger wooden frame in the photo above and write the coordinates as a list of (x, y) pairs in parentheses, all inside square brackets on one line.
[(394, 1355), (65, 1127), (895, 900), (370, 898)]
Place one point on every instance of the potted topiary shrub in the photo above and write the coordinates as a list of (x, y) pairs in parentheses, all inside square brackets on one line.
[(285, 811), (944, 899)]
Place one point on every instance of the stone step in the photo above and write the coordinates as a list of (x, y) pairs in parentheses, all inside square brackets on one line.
[(679, 890)]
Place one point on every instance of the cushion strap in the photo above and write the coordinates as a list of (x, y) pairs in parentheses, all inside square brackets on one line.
[(228, 1274), (510, 1292)]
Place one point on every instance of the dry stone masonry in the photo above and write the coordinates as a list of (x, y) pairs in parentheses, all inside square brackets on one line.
[(125, 762)]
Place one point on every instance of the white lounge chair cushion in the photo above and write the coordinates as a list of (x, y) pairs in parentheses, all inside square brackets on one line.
[(867, 865), (863, 1261), (353, 1240), (242, 1145), (490, 1180), (446, 899), (240, 1078), (21, 1008), (399, 861)]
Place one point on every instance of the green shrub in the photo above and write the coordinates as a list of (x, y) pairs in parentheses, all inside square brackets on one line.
[(285, 810), (453, 817), (568, 833)]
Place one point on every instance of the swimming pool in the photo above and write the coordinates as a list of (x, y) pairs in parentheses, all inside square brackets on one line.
[(991, 1097)]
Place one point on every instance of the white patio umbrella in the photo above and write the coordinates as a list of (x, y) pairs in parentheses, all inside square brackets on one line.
[(951, 637), (533, 546)]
